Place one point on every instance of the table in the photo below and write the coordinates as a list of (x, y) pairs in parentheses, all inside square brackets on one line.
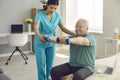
[(4, 41), (114, 43)]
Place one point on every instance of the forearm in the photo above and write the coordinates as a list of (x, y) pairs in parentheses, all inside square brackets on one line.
[(58, 40), (64, 29), (36, 30), (80, 41), (68, 31), (37, 33), (64, 40), (36, 26)]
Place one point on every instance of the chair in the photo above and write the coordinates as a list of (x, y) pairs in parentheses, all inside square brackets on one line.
[(17, 40)]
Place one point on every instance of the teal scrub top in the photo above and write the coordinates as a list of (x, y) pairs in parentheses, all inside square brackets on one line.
[(47, 27), (83, 55)]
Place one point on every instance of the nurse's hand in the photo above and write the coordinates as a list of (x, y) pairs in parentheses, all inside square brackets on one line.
[(42, 39)]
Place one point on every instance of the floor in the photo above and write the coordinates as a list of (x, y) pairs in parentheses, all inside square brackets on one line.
[(18, 70)]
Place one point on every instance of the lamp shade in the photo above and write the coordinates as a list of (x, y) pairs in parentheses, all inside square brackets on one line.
[(116, 30)]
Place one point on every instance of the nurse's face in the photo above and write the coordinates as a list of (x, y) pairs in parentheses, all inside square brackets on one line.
[(51, 9)]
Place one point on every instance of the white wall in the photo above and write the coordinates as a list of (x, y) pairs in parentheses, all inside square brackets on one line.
[(15, 11), (111, 19)]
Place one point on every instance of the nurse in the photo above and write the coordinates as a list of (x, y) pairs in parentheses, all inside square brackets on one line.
[(46, 22)]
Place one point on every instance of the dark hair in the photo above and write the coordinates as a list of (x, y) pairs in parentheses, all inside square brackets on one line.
[(51, 2), (54, 2)]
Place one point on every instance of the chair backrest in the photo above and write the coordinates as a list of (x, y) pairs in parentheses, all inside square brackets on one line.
[(17, 39)]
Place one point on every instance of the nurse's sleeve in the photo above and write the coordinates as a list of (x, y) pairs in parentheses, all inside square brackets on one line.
[(37, 18)]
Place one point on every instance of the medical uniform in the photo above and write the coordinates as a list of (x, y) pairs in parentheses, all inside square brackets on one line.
[(45, 52)]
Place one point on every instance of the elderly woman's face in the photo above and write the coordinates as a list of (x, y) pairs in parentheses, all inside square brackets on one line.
[(81, 28)]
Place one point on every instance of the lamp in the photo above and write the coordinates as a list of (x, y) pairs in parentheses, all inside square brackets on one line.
[(116, 31)]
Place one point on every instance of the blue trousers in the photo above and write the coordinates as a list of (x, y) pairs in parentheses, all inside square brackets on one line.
[(44, 59)]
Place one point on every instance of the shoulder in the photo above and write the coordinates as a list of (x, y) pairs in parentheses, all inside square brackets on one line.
[(40, 15), (41, 12), (56, 13), (89, 35), (91, 38)]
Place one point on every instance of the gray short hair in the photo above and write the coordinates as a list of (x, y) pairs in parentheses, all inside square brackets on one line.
[(84, 21)]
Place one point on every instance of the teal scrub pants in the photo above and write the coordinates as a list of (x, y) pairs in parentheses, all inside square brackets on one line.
[(44, 59)]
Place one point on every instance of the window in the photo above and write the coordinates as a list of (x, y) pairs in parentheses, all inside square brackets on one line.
[(92, 10)]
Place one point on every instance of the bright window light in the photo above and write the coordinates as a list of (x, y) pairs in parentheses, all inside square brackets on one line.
[(92, 10)]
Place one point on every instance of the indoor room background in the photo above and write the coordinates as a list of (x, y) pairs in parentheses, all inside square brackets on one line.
[(16, 11)]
